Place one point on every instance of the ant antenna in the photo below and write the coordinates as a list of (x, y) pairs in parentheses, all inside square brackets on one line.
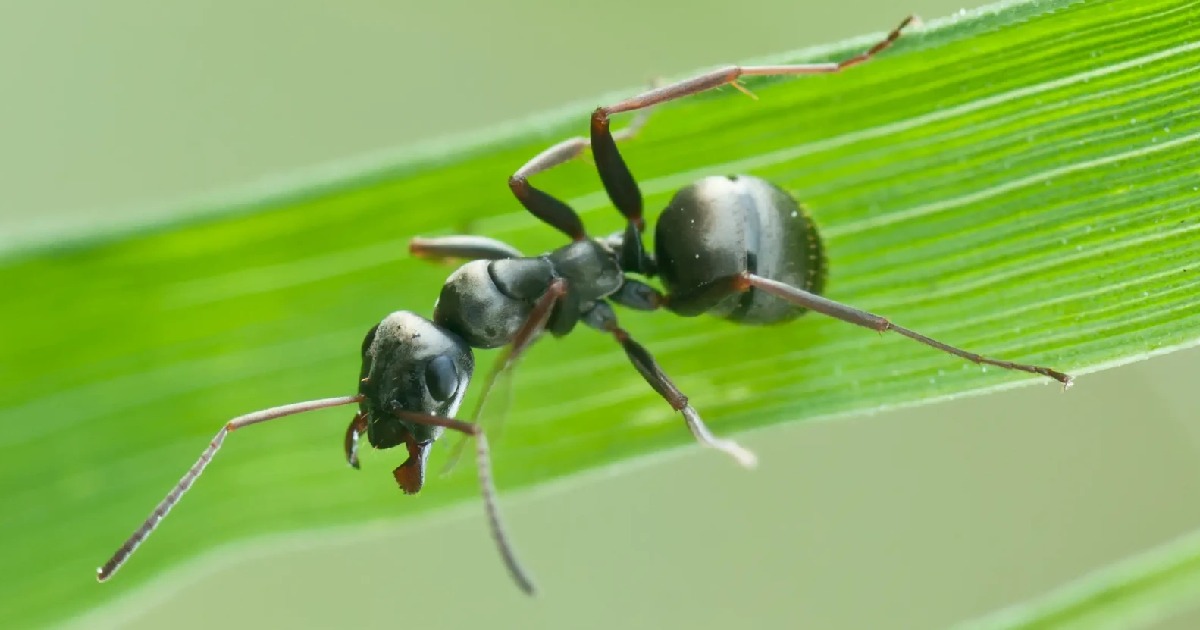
[(160, 511)]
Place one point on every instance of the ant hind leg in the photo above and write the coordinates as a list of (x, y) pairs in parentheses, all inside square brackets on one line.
[(546, 207)]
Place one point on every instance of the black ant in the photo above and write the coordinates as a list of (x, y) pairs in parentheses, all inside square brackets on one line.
[(737, 247)]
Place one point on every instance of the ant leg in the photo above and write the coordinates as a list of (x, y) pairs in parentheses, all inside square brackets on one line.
[(487, 489), (461, 247), (602, 317), (618, 181), (730, 74), (160, 511), (547, 208), (623, 190), (526, 335), (572, 148), (746, 281), (357, 427)]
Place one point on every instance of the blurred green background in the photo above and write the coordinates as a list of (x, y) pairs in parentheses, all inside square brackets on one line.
[(912, 519)]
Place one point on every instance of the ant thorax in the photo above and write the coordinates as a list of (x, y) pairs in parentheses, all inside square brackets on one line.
[(486, 302)]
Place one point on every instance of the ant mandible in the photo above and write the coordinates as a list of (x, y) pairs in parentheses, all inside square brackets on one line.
[(737, 247)]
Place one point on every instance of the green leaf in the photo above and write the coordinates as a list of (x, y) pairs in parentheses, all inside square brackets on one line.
[(1019, 181), (1144, 590)]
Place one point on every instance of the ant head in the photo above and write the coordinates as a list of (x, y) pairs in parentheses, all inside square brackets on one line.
[(411, 364)]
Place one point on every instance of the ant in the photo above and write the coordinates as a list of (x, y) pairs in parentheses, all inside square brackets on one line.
[(737, 247)]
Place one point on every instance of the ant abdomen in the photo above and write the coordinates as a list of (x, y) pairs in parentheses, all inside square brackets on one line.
[(719, 227)]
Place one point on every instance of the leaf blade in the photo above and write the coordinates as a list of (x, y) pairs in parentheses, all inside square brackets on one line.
[(954, 184)]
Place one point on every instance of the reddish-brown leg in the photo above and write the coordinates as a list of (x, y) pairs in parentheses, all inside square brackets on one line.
[(572, 148), (746, 281), (487, 487), (602, 317), (526, 335), (620, 184), (546, 207)]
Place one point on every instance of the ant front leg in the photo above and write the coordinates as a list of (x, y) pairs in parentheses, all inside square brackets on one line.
[(539, 316), (487, 487), (528, 333), (602, 317)]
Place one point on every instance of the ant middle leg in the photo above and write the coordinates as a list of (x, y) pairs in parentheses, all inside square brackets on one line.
[(461, 247), (602, 317)]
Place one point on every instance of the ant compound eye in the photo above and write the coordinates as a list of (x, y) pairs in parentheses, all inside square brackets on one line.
[(441, 378)]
